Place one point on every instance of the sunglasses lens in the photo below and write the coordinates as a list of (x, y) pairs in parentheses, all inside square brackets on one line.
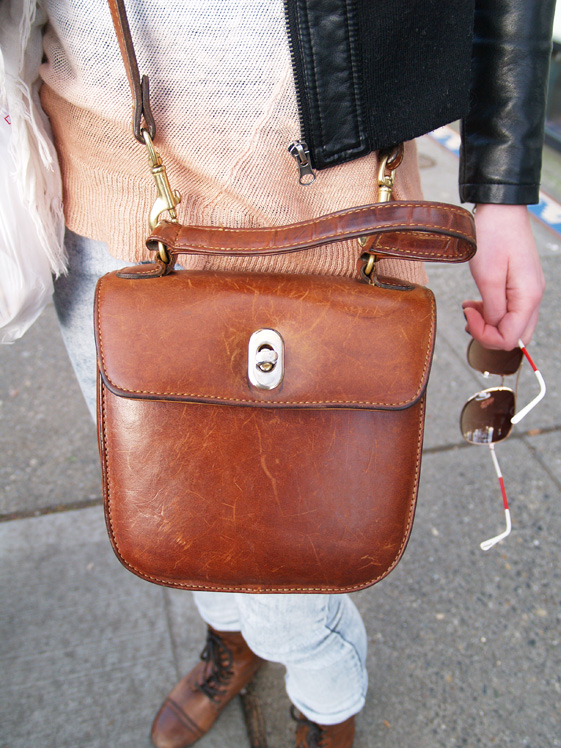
[(502, 363), (486, 416)]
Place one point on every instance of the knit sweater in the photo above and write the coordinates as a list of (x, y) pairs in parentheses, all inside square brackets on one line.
[(223, 95)]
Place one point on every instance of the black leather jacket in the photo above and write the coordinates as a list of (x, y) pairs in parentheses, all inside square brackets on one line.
[(370, 74)]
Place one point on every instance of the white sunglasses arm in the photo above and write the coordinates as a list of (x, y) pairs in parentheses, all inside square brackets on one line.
[(487, 544), (527, 408)]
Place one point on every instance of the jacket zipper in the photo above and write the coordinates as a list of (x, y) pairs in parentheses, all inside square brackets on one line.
[(298, 149)]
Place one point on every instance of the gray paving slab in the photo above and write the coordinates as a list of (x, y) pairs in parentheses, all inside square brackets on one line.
[(547, 449), (86, 650), (451, 285), (551, 172), (47, 439), (465, 646), (439, 171)]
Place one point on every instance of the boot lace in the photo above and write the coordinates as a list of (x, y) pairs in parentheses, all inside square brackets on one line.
[(308, 733), (218, 668)]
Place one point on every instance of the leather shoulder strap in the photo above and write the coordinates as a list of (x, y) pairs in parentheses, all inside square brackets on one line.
[(140, 88)]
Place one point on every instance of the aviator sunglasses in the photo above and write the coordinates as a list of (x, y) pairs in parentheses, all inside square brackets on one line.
[(489, 415)]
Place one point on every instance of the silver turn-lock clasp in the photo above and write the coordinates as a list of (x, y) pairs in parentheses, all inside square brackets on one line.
[(265, 360)]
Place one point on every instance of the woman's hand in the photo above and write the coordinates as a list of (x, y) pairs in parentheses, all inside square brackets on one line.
[(508, 274)]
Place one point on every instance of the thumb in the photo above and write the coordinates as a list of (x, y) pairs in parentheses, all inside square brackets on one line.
[(475, 324), (478, 327)]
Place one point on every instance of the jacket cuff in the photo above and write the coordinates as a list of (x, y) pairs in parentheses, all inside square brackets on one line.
[(502, 136), (505, 194)]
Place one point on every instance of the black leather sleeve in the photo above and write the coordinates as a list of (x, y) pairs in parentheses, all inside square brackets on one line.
[(502, 136)]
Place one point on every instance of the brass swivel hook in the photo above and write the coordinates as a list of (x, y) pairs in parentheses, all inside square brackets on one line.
[(389, 162), (167, 199)]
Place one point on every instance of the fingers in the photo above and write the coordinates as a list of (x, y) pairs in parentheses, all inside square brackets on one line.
[(508, 274), (488, 335), (503, 325), (505, 334)]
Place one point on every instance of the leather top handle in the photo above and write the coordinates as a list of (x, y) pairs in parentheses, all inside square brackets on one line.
[(433, 232)]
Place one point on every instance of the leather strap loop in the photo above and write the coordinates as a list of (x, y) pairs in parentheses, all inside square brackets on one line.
[(433, 232), (140, 89)]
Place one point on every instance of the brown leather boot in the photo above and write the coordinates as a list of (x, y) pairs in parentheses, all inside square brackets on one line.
[(311, 735), (195, 703)]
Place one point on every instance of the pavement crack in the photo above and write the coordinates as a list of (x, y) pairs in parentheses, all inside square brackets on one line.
[(172, 639), (53, 509), (521, 436)]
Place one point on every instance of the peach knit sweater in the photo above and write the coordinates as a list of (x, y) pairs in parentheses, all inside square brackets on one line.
[(225, 106)]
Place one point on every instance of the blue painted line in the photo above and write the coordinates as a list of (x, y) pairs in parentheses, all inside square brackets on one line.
[(547, 211)]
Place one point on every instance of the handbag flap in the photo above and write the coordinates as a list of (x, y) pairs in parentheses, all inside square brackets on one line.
[(185, 337)]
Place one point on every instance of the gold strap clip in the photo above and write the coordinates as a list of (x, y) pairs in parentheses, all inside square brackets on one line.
[(389, 162), (167, 199)]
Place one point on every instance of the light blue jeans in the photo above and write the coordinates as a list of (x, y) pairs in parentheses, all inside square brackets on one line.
[(320, 639)]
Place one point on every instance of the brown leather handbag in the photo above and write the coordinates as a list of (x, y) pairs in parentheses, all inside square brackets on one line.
[(262, 432)]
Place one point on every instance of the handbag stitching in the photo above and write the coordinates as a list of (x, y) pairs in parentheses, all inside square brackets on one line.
[(232, 250), (260, 402), (443, 207), (350, 233)]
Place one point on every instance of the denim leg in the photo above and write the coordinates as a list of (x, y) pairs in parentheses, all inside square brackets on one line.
[(321, 640), (219, 609), (73, 297)]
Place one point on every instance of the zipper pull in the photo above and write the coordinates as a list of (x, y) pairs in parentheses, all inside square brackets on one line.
[(299, 151)]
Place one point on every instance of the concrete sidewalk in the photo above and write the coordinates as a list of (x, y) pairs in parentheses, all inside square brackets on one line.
[(465, 647)]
